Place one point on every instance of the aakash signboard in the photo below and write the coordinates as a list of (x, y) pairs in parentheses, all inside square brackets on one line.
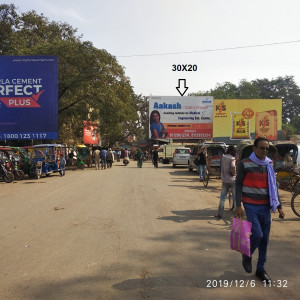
[(176, 117), (28, 97)]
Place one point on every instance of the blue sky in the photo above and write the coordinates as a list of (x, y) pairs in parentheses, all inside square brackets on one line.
[(140, 27)]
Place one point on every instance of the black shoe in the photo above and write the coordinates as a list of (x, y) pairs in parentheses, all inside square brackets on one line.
[(247, 263), (218, 217), (263, 276)]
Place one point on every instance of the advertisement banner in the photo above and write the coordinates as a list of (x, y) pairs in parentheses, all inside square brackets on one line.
[(90, 133), (176, 117), (28, 97), (239, 119)]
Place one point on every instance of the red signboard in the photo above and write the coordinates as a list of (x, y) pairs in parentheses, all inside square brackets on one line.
[(90, 133)]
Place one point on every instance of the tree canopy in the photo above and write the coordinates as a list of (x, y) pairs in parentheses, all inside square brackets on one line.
[(92, 85)]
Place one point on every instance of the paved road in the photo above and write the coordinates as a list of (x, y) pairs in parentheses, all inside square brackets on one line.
[(129, 233)]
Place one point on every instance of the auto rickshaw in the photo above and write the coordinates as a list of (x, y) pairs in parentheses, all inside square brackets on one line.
[(276, 153), (83, 154), (214, 153), (26, 164), (286, 166), (51, 159), (38, 162), (74, 158), (245, 148)]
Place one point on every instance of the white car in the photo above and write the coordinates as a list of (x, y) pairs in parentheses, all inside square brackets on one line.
[(181, 156)]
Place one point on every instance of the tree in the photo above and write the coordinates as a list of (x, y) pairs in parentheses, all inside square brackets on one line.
[(92, 85), (285, 88)]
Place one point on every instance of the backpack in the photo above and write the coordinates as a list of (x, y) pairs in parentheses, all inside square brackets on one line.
[(197, 161)]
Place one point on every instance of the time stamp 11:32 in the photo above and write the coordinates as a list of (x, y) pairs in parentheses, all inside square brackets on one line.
[(245, 283), (276, 283)]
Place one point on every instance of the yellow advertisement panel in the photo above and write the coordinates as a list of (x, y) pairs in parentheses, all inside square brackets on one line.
[(239, 119)]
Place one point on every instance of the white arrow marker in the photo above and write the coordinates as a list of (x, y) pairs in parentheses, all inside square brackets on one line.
[(182, 89)]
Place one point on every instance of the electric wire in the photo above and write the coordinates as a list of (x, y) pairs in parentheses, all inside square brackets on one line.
[(209, 50)]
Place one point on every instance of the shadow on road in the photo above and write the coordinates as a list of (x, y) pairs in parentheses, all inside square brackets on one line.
[(197, 215), (174, 271)]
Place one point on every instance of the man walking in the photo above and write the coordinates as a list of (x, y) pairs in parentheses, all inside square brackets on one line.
[(228, 175), (256, 188), (103, 155), (96, 155), (155, 157), (109, 158)]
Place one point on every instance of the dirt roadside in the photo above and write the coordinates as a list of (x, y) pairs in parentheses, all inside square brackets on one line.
[(130, 233)]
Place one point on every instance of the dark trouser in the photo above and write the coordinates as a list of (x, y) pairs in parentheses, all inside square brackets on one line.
[(224, 193), (62, 171), (140, 162), (103, 162), (260, 217)]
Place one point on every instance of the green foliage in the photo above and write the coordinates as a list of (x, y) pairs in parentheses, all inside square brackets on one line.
[(92, 85), (287, 131)]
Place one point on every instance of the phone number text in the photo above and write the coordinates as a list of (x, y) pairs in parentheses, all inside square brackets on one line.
[(22, 136)]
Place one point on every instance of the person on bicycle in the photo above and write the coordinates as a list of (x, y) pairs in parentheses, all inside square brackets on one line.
[(201, 162), (228, 175)]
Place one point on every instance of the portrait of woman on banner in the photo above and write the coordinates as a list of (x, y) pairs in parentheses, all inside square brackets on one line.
[(157, 128)]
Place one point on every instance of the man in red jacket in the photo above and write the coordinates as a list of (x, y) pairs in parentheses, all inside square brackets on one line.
[(256, 188)]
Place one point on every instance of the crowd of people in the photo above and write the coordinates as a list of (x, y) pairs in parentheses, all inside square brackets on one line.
[(104, 157)]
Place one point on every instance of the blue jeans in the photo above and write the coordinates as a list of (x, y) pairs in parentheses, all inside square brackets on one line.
[(260, 217), (224, 192), (103, 162), (200, 171)]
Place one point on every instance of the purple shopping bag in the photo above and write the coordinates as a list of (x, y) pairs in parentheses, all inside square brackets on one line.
[(240, 236)]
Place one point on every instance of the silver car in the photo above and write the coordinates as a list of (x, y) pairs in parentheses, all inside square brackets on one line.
[(181, 156)]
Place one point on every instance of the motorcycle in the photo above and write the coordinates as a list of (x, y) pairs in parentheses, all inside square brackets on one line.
[(13, 160), (7, 176), (126, 161), (18, 174)]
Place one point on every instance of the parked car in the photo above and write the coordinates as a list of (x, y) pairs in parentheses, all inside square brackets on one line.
[(195, 150), (181, 156), (165, 152)]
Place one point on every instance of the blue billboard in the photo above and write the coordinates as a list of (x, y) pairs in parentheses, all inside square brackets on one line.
[(28, 97)]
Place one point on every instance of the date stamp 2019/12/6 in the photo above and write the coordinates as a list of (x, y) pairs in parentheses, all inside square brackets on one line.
[(241, 283), (238, 283)]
